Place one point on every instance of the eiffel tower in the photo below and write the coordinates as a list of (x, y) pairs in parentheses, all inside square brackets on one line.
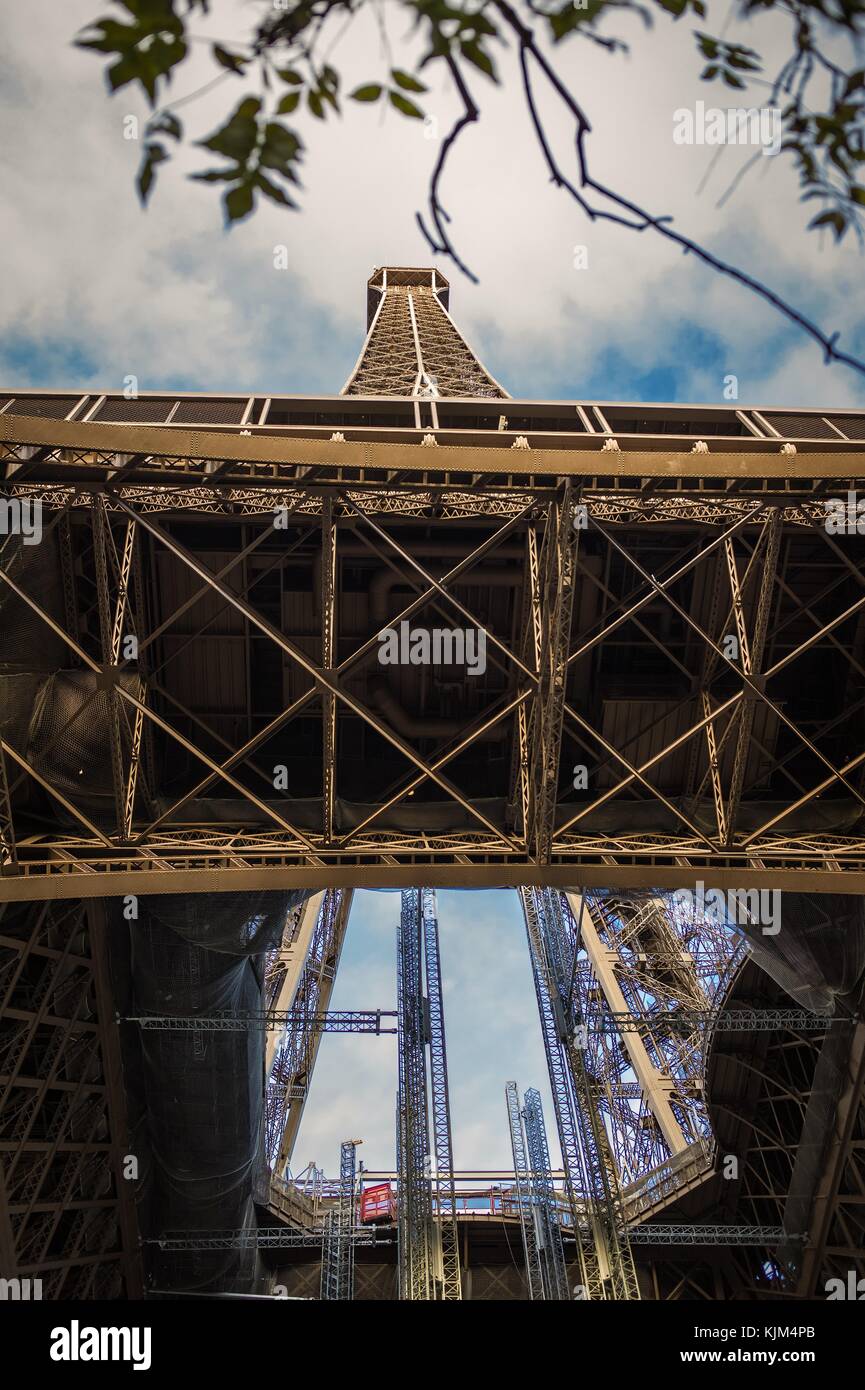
[(664, 605)]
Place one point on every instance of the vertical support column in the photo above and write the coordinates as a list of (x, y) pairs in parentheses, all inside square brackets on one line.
[(590, 1170), (752, 660), (307, 990), (328, 628), (446, 1224), (414, 1194), (547, 1226), (113, 577), (101, 541), (556, 601), (337, 1255), (592, 1272), (655, 1087), (522, 1179), (8, 847)]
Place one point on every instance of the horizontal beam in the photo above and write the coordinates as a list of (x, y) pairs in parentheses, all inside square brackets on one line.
[(719, 1020), (242, 1021), (583, 456), (710, 1235), (265, 1238), (63, 882)]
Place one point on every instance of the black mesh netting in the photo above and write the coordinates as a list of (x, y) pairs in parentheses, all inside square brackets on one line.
[(196, 1099), (818, 953), (27, 642)]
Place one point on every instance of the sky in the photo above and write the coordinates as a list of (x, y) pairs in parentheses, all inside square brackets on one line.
[(491, 1025), (95, 289)]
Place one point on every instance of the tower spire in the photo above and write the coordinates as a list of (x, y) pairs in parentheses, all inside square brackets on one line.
[(412, 346)]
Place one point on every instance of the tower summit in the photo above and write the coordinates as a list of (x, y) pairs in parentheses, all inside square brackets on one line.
[(413, 347)]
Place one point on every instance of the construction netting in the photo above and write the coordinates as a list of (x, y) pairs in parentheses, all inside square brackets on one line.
[(816, 951), (196, 1099)]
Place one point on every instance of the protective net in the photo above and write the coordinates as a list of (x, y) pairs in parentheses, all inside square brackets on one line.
[(196, 1099)]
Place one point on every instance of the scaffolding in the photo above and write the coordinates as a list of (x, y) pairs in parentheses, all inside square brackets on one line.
[(414, 1189), (337, 1250), (540, 1218), (295, 1054), (446, 1251), (606, 1266), (426, 1203)]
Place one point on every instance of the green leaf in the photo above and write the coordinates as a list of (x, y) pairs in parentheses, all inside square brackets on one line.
[(165, 123), (280, 142), (273, 191), (403, 104), (232, 61), (238, 202), (238, 137), (233, 171), (406, 81), (146, 49), (315, 104), (288, 104), (475, 54), (289, 75), (370, 92), (836, 220), (153, 154)]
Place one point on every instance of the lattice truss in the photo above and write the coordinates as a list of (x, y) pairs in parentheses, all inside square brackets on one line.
[(537, 1201), (657, 960), (608, 582), (592, 1188), (306, 990), (429, 1266), (721, 746), (65, 1219), (413, 346), (337, 1255)]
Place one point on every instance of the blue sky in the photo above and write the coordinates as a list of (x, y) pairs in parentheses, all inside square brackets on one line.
[(95, 289), (491, 1020)]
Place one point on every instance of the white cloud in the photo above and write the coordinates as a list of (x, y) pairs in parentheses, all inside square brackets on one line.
[(169, 296), (492, 1028)]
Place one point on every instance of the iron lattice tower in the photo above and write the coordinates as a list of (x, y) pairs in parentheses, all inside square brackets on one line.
[(414, 1190), (337, 1252), (699, 523), (412, 346), (537, 1201), (448, 1253), (524, 1194), (545, 1210), (301, 978), (427, 1234), (591, 1180), (650, 958)]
